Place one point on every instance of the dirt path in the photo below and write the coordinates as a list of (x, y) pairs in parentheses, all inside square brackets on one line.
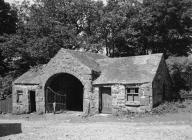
[(59, 130)]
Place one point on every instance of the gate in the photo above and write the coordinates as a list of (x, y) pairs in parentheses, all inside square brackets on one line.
[(6, 104), (55, 97)]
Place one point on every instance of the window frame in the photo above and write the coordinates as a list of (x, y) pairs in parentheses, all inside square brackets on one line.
[(135, 93), (19, 96)]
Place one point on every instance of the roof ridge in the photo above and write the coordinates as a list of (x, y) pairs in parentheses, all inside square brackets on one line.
[(126, 70), (116, 58), (84, 52)]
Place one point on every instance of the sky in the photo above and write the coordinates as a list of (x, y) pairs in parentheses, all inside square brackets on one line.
[(13, 1)]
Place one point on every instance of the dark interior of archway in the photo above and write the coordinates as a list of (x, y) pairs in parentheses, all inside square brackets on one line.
[(68, 85)]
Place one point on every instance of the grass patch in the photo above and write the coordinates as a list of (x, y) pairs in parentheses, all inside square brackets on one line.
[(162, 109)]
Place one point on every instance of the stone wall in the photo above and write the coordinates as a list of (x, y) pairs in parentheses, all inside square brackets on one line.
[(146, 98), (162, 84), (23, 106), (66, 63), (95, 101), (63, 62), (119, 102), (118, 98), (40, 100)]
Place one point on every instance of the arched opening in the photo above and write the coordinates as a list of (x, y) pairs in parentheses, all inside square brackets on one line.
[(66, 91)]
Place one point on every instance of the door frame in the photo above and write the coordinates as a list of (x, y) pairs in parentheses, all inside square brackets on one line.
[(101, 100), (29, 101)]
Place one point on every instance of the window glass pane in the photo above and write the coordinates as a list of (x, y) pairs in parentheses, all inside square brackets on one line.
[(135, 97), (19, 91), (132, 90), (19, 95), (136, 90), (128, 90), (129, 97)]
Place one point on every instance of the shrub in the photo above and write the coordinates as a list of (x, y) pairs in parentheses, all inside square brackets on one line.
[(5, 86), (180, 69), (165, 107), (172, 107)]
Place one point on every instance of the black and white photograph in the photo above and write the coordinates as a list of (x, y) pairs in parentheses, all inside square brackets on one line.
[(95, 69)]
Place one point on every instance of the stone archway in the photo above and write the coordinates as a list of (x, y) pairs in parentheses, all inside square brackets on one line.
[(66, 90)]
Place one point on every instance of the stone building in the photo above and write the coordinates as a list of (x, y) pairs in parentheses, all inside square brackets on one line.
[(93, 83)]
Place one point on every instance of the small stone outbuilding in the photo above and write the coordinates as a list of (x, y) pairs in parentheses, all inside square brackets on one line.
[(93, 83)]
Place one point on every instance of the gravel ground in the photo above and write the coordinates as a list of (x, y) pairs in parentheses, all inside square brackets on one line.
[(62, 130), (71, 126)]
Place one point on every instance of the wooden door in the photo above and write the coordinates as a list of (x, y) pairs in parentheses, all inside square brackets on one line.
[(106, 100)]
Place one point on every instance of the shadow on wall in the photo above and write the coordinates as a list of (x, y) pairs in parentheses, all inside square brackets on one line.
[(9, 129)]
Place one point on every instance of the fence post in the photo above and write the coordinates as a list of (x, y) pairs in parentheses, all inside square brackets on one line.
[(54, 106)]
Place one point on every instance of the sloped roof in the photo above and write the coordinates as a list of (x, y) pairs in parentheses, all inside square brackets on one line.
[(33, 75), (30, 77), (87, 58), (127, 70)]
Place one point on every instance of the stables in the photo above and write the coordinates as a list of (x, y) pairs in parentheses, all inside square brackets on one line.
[(93, 83)]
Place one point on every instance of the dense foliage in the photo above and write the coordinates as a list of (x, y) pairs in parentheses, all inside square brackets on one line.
[(180, 69), (8, 26), (31, 34)]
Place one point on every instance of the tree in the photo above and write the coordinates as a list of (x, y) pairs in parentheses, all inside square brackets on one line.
[(52, 24), (8, 26), (164, 26), (118, 15), (8, 18), (157, 26)]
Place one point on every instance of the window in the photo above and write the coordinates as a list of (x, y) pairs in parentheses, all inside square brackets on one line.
[(19, 96), (132, 94)]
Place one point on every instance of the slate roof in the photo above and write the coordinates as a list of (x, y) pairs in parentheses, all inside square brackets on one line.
[(128, 70), (124, 70), (87, 58), (31, 77)]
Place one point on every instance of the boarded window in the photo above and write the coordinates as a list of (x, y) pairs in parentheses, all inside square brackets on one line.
[(132, 94), (19, 96)]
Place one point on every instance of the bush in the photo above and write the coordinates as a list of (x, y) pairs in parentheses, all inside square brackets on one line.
[(172, 107), (166, 107), (180, 69), (5, 86)]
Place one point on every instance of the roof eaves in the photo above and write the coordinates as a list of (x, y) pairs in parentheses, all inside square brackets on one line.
[(27, 84), (120, 83)]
